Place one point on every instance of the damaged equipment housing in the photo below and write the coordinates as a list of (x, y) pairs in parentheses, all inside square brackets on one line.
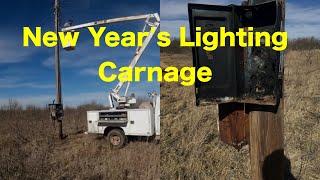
[(246, 75)]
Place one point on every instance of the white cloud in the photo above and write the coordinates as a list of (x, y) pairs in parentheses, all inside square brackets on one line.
[(9, 82), (11, 49), (70, 100), (84, 54), (301, 21), (173, 27), (303, 30), (140, 89), (179, 8), (94, 71), (27, 85), (302, 15), (89, 71), (175, 13), (74, 99)]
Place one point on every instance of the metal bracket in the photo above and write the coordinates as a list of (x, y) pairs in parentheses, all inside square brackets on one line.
[(56, 111)]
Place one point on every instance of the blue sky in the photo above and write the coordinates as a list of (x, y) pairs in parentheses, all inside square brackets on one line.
[(302, 17), (27, 73)]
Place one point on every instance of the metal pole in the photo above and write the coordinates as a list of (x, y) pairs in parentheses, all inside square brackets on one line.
[(57, 65)]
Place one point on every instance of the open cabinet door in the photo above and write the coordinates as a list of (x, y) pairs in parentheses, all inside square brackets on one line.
[(237, 75)]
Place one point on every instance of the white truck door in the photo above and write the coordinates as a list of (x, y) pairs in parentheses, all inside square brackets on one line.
[(157, 116), (139, 122), (92, 120)]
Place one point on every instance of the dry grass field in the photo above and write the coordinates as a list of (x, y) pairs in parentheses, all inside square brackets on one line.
[(31, 149), (190, 145)]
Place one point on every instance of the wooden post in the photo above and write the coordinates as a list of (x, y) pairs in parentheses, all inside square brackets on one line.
[(266, 142), (267, 135), (57, 66)]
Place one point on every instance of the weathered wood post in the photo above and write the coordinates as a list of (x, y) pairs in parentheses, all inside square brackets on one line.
[(266, 133), (266, 142)]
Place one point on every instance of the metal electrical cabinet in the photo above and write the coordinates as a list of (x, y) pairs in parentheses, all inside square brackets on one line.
[(247, 75)]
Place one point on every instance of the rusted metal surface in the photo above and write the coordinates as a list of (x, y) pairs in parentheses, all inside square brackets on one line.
[(234, 124), (262, 71), (252, 79), (264, 100)]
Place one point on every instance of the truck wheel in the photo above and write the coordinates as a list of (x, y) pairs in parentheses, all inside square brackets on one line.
[(117, 138)]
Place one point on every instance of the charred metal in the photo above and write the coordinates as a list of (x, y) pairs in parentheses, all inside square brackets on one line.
[(246, 75)]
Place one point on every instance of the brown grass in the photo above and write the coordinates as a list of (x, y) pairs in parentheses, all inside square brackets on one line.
[(30, 149), (190, 146)]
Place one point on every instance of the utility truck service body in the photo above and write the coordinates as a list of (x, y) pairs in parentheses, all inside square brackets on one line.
[(122, 120), (133, 122)]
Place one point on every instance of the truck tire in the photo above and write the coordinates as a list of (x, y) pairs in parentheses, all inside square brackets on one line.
[(117, 138)]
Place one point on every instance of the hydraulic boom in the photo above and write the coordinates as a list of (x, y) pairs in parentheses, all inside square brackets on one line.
[(151, 20)]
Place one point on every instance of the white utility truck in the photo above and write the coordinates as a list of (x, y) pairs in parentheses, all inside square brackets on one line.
[(118, 124), (122, 120)]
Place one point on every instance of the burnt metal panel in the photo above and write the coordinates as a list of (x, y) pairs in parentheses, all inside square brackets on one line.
[(238, 76), (223, 83)]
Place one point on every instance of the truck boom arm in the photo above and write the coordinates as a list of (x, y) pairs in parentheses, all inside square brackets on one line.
[(109, 21), (114, 95)]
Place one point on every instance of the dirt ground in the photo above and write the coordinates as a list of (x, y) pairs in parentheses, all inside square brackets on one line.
[(190, 145)]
